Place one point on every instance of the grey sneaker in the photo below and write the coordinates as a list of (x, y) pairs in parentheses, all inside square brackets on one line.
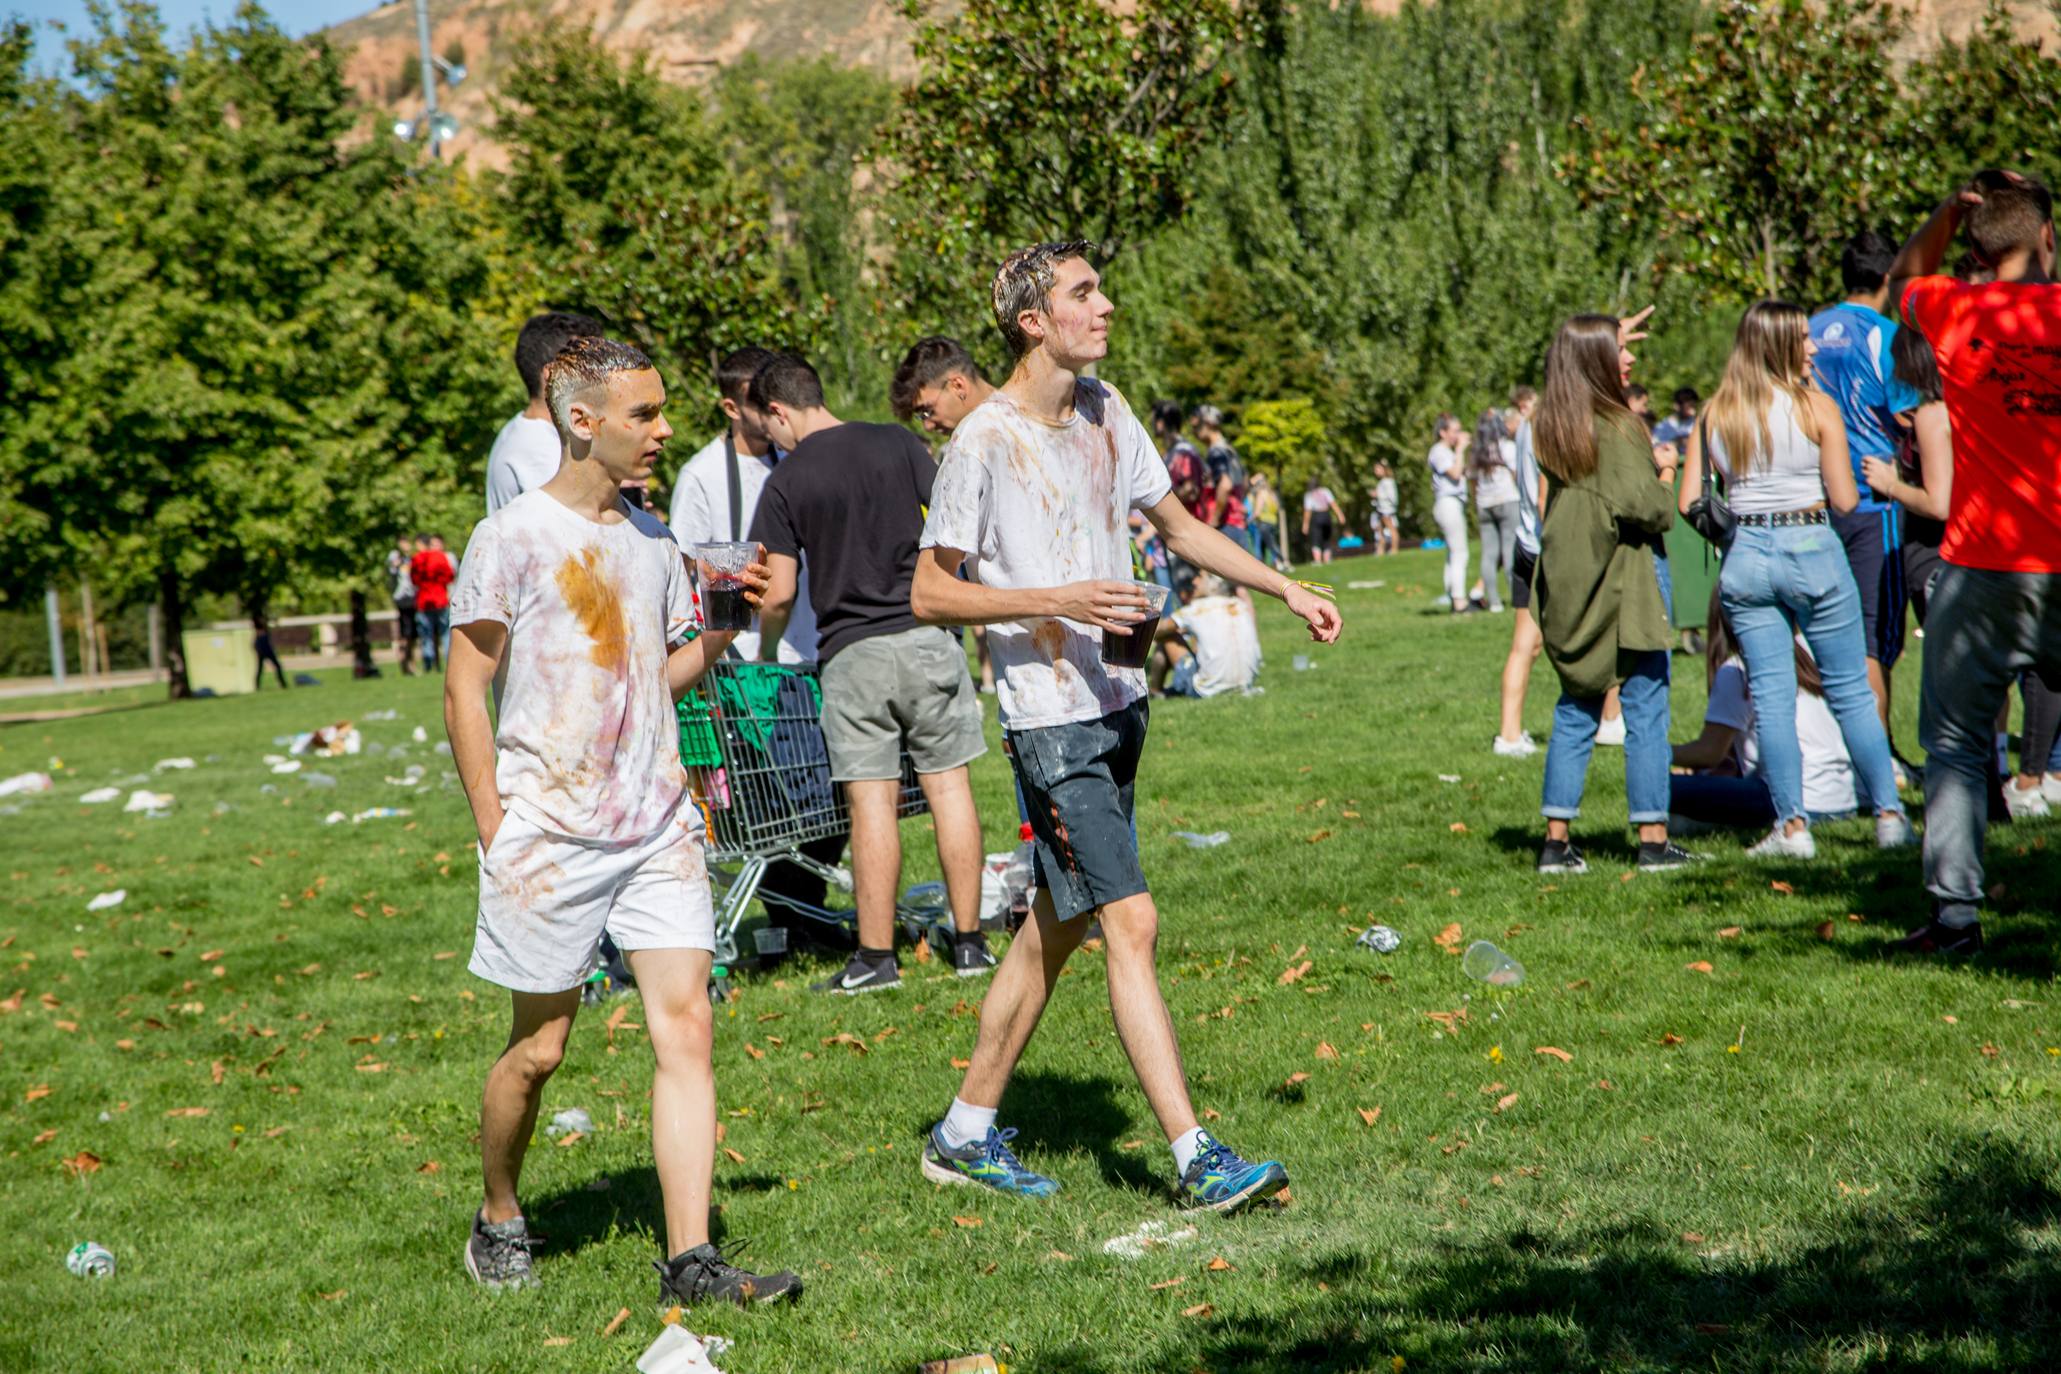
[(1894, 831), (498, 1253), (970, 956), (859, 976), (705, 1272)]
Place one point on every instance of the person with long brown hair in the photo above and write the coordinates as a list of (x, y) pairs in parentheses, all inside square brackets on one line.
[(1780, 445), (1599, 606)]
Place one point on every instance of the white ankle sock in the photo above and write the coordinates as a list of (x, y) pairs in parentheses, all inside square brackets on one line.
[(1186, 1146), (965, 1123)]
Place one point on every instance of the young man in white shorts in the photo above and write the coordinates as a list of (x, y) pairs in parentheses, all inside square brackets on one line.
[(1032, 498), (576, 609)]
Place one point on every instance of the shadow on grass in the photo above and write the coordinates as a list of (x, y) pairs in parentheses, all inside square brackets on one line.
[(630, 1203), (1603, 847), (1957, 1283), (1060, 1113)]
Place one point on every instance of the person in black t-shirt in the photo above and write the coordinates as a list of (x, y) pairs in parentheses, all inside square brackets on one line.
[(850, 497)]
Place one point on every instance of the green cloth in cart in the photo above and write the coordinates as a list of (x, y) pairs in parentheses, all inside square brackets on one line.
[(747, 692)]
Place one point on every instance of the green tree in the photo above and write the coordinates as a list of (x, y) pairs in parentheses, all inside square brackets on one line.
[(620, 202), (1762, 150)]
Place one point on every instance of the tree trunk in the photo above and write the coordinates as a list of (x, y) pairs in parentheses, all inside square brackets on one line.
[(361, 639), (175, 632), (89, 639)]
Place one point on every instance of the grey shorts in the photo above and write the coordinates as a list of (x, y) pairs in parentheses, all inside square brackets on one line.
[(1077, 784), (908, 690)]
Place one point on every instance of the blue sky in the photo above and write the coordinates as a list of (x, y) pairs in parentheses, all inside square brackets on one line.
[(295, 16)]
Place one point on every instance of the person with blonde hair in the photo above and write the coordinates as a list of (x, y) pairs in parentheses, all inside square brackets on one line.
[(1597, 596), (1780, 445)]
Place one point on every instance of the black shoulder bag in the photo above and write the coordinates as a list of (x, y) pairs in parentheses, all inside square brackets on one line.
[(1709, 514)]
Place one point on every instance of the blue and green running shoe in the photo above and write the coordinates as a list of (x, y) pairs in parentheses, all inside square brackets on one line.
[(988, 1163), (1219, 1180)]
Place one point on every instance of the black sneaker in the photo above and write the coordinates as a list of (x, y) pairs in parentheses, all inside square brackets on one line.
[(705, 1272), (970, 957), (1560, 856), (1934, 938), (498, 1253), (861, 976), (1659, 858)]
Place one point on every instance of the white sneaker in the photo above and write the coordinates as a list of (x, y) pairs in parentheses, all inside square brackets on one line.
[(1523, 747), (1894, 831), (2050, 788), (2030, 804), (1610, 733), (1779, 845)]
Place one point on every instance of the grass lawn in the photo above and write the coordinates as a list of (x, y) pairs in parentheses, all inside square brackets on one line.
[(1773, 1149)]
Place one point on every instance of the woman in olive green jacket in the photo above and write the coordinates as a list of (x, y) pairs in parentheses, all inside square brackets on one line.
[(1595, 591)]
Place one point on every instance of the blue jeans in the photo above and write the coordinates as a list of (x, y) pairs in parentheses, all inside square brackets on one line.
[(1666, 575), (434, 629), (1773, 584), (1646, 753)]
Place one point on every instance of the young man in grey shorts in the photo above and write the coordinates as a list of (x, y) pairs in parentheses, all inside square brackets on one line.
[(850, 498), (1033, 499)]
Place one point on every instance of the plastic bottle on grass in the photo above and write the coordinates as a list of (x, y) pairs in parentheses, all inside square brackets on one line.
[(1484, 963)]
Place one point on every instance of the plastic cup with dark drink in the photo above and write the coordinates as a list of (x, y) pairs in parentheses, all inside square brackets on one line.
[(1132, 650), (720, 567)]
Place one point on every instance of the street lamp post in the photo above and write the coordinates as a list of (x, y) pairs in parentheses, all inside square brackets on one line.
[(434, 124)]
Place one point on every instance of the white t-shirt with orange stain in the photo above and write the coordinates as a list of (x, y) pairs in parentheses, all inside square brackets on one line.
[(1033, 504), (587, 746)]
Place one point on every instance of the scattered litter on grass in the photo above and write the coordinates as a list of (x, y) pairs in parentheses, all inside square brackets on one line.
[(1209, 841), (1150, 1235), (380, 715), (381, 813), (90, 1261), (1380, 939), (571, 1119), (962, 1364), (1368, 586), (318, 780), (335, 818), (1302, 663), (25, 784), (290, 766), (444, 747), (168, 765), (419, 735), (331, 740), (101, 795), (408, 781), (108, 899), (1484, 963), (223, 808), (679, 1351), (270, 789), (1448, 777), (147, 801)]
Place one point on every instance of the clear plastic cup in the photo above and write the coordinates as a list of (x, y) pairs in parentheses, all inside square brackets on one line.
[(1134, 649), (1484, 963), (720, 569)]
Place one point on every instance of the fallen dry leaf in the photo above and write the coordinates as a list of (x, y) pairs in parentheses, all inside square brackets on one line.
[(1296, 1078), (1201, 1309), (1731, 932), (211, 956), (215, 1072), (368, 973), (615, 1323), (1210, 1114), (967, 1222), (1692, 1237), (1989, 1051), (1458, 827), (1556, 1052), (1491, 1089), (188, 1111), (557, 1340), (922, 950), (256, 862), (276, 1132), (571, 1138), (1826, 930), (45, 1137), (1319, 837), (847, 1038), (429, 1166), (732, 1155), (1219, 1265), (1448, 939), (1605, 1084), (1292, 973), (39, 1090), (1370, 1115), (1175, 1282), (1284, 1198), (753, 1050), (83, 1163), (1324, 1050), (1506, 1102), (1784, 888), (1670, 1039), (1061, 1256), (962, 1063), (1700, 966), (445, 954), (341, 1292)]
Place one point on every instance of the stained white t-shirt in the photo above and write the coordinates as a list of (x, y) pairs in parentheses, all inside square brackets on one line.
[(1226, 642), (1032, 504), (1827, 769), (525, 456), (587, 746), (1448, 473), (701, 514)]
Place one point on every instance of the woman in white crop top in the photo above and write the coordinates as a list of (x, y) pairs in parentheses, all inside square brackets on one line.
[(1780, 445)]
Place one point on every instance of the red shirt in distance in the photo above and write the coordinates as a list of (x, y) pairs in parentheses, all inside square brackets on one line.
[(1999, 351), (432, 574)]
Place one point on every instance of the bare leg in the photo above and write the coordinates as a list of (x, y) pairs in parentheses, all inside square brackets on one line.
[(1016, 999), (950, 795), (515, 1089), (987, 663), (1131, 929), (876, 857), (677, 1017), (1612, 707), (1525, 643)]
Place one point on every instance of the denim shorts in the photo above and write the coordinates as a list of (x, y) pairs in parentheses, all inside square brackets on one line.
[(1077, 781)]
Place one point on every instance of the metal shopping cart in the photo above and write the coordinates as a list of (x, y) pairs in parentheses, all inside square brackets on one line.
[(751, 736)]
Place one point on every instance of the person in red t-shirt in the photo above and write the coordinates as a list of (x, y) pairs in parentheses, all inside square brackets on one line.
[(431, 571), (1996, 607)]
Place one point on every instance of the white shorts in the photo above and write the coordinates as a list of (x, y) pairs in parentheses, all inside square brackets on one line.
[(544, 901)]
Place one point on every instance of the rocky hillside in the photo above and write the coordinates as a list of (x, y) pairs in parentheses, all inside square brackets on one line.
[(686, 39)]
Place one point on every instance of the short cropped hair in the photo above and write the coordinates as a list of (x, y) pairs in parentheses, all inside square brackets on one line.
[(735, 371), (1865, 262), (2010, 217), (1167, 415), (789, 381), (1635, 392), (1520, 394), (582, 365), (1446, 420), (1024, 282), (1686, 396), (543, 337), (1208, 417), (927, 363)]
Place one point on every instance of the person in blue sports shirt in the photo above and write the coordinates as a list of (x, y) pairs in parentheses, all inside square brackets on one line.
[(1853, 365)]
